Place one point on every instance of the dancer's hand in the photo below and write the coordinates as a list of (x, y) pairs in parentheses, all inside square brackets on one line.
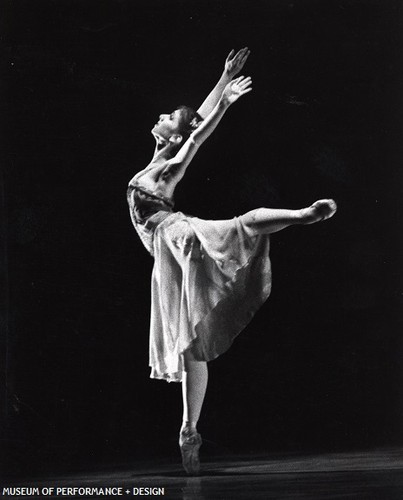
[(236, 88), (234, 63)]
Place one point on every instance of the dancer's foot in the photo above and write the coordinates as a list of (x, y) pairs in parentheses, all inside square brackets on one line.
[(318, 211), (189, 443)]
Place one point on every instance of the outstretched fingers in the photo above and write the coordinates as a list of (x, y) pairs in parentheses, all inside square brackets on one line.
[(234, 63), (244, 84), (241, 79), (246, 80), (244, 56), (230, 55), (237, 88)]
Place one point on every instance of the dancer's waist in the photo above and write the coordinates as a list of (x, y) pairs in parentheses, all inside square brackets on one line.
[(144, 204), (146, 228)]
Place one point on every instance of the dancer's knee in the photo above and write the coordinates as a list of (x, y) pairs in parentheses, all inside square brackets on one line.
[(252, 220), (192, 365)]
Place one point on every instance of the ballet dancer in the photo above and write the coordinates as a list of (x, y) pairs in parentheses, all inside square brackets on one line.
[(209, 276)]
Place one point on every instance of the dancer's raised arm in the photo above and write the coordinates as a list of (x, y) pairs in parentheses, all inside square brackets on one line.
[(233, 65), (235, 89)]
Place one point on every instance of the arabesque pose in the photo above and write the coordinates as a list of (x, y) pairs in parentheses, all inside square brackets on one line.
[(209, 277)]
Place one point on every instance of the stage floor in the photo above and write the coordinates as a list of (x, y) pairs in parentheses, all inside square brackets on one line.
[(360, 475)]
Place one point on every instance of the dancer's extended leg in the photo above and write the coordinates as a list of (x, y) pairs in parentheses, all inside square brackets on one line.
[(194, 384), (271, 220)]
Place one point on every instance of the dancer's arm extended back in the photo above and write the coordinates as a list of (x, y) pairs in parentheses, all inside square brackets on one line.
[(177, 166), (233, 65)]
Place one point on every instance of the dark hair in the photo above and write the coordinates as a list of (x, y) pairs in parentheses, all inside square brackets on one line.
[(189, 121)]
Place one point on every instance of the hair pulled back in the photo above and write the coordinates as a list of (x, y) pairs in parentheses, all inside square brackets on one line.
[(189, 121)]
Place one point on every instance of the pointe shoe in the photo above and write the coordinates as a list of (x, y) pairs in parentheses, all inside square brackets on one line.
[(189, 443), (318, 211)]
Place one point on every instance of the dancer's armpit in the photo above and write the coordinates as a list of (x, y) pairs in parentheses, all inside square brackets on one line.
[(176, 167)]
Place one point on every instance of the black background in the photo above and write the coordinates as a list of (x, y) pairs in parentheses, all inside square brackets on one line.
[(319, 368)]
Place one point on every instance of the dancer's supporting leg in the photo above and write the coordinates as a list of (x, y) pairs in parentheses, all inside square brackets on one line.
[(271, 220), (194, 384)]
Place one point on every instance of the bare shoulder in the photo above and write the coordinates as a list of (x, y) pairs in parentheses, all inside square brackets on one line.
[(158, 177), (146, 174)]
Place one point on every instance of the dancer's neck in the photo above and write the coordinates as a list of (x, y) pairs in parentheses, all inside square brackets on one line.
[(163, 151)]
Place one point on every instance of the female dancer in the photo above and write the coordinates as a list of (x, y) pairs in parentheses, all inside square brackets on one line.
[(209, 277)]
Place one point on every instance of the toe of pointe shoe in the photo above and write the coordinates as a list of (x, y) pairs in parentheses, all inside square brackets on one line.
[(332, 208), (189, 446), (325, 208)]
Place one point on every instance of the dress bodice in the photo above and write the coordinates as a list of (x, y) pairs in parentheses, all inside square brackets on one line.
[(144, 203)]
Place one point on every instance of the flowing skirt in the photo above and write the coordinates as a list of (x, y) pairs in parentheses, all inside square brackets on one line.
[(209, 279)]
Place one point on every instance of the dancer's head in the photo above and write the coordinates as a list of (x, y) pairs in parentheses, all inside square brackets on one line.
[(176, 127)]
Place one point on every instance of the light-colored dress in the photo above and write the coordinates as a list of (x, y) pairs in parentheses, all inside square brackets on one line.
[(209, 279)]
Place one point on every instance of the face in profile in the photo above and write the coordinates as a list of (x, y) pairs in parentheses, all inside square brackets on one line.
[(167, 125)]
